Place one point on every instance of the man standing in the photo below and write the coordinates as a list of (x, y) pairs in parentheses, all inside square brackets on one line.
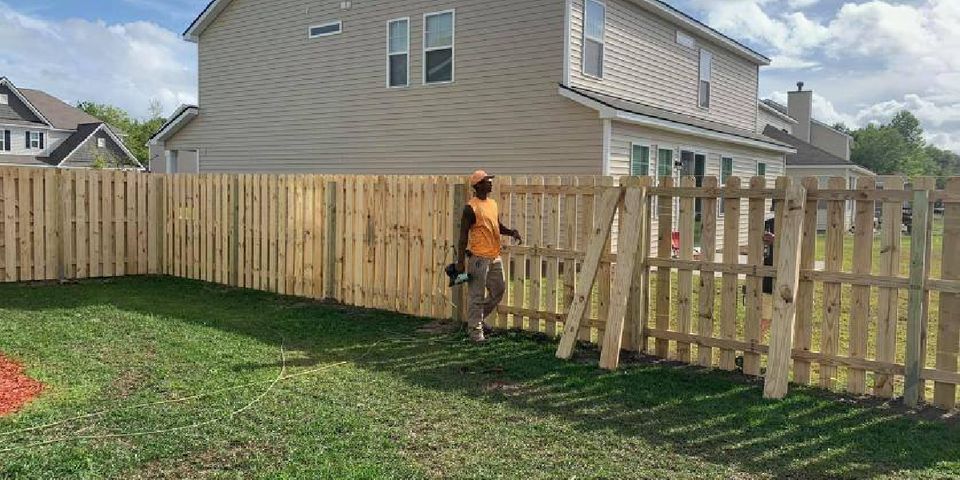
[(479, 253)]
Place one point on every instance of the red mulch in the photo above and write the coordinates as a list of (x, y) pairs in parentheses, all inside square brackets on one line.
[(16, 389)]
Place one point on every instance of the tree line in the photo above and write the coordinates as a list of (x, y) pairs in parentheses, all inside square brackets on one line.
[(134, 132), (898, 147)]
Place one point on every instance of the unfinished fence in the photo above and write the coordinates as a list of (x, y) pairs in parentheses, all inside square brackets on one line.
[(877, 310)]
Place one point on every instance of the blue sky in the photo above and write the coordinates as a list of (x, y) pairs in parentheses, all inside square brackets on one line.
[(864, 59)]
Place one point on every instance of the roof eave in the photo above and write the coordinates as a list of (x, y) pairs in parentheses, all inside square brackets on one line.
[(206, 17), (678, 17), (610, 113), (778, 113), (184, 115)]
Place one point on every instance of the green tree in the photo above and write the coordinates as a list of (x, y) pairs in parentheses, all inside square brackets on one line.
[(909, 127), (134, 132), (879, 149)]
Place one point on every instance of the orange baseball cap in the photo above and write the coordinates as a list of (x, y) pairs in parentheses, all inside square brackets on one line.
[(478, 177)]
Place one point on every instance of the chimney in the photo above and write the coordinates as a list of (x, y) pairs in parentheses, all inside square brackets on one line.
[(800, 107)]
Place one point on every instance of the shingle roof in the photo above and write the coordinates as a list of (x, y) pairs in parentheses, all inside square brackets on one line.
[(678, 118), (807, 153), (72, 142), (60, 114)]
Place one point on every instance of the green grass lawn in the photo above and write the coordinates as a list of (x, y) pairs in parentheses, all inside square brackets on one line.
[(375, 397)]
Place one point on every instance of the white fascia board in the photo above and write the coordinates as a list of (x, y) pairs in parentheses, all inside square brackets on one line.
[(13, 88), (203, 21), (184, 115)]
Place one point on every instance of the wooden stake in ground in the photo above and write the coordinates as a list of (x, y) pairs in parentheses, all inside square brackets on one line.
[(631, 216), (785, 293), (588, 273)]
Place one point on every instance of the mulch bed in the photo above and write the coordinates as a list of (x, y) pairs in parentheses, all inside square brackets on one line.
[(16, 389)]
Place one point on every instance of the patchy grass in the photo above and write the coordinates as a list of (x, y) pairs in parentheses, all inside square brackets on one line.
[(374, 396)]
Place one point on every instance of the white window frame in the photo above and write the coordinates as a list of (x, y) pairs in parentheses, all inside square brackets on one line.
[(585, 37), (3, 136), (34, 138), (452, 47), (651, 162), (4, 99), (338, 23), (700, 78), (407, 52), (101, 142)]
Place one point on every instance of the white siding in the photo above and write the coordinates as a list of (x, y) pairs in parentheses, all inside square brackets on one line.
[(765, 118), (273, 100), (644, 63), (745, 159), (18, 144)]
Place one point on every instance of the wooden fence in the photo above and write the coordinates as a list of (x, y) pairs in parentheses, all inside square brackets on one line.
[(874, 311)]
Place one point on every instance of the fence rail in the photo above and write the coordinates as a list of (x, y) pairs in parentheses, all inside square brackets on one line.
[(877, 311)]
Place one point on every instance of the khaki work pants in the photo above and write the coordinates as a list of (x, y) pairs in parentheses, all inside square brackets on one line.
[(486, 274)]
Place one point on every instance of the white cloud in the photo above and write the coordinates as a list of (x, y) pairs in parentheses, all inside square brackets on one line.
[(802, 3), (126, 65)]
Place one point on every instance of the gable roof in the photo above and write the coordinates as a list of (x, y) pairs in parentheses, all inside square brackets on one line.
[(16, 91), (615, 108), (782, 109), (84, 132), (215, 7), (58, 112), (807, 153)]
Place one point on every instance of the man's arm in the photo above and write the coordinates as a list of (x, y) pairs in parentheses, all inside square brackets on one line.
[(467, 220), (510, 232)]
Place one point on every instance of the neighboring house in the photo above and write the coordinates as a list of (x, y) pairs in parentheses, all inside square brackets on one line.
[(39, 130), (553, 87), (822, 151)]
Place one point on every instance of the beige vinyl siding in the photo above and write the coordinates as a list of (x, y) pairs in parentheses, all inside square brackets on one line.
[(765, 118), (271, 99), (830, 140), (745, 159), (644, 63)]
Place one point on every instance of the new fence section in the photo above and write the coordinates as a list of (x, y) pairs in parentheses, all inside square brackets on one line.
[(877, 308)]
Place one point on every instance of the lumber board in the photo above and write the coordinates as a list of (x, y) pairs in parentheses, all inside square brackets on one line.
[(729, 282), (860, 295), (803, 333), (948, 326), (631, 215), (914, 359), (685, 276), (664, 250), (833, 262), (754, 299), (707, 287)]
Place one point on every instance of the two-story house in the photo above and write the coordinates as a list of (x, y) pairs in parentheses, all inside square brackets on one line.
[(822, 151), (444, 87), (39, 130)]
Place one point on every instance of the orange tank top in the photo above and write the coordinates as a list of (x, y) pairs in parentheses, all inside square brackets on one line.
[(484, 239)]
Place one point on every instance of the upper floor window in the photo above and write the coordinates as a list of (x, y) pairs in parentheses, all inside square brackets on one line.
[(726, 169), (327, 29), (761, 169), (4, 99), (438, 38), (101, 142), (398, 52), (4, 140), (706, 66), (594, 21), (640, 160), (34, 141)]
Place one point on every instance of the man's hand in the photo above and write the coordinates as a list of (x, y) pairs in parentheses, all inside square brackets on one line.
[(516, 236), (768, 238)]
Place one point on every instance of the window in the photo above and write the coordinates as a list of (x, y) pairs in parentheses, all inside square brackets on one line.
[(706, 65), (726, 169), (4, 140), (101, 142), (665, 163), (34, 140), (640, 160), (438, 38), (594, 21), (398, 52), (761, 169), (4, 99), (327, 29)]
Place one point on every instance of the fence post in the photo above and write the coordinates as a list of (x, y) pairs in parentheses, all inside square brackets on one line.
[(330, 233), (915, 310), (459, 293), (785, 292)]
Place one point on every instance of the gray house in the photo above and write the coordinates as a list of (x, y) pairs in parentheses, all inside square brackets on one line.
[(39, 130), (593, 87)]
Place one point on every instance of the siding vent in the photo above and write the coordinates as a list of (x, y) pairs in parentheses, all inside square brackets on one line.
[(325, 30)]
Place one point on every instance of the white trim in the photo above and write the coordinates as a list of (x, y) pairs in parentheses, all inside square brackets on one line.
[(777, 113), (650, 161), (338, 23), (389, 22), (112, 136), (4, 99), (607, 140), (452, 47), (16, 91), (567, 40), (176, 122), (35, 127), (584, 38), (203, 21), (612, 113), (704, 53)]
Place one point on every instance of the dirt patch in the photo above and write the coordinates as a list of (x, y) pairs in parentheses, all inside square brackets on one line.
[(501, 386), (206, 464), (127, 383), (16, 389)]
